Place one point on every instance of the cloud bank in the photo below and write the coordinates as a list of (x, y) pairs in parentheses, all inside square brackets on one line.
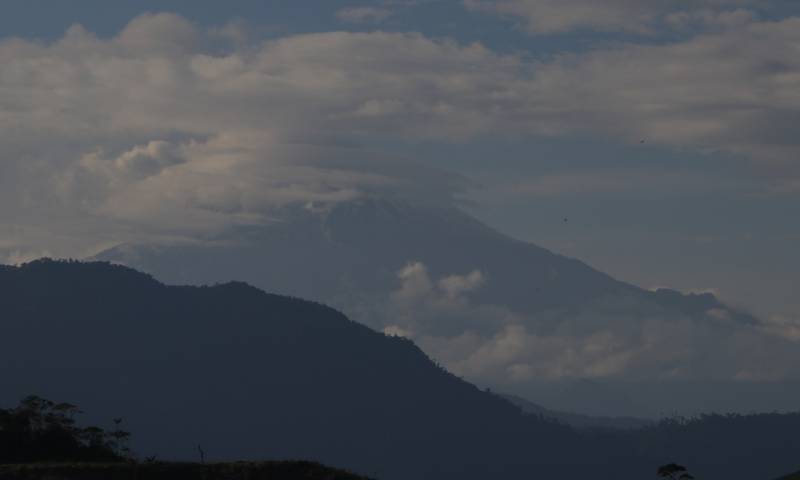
[(170, 128), (613, 339)]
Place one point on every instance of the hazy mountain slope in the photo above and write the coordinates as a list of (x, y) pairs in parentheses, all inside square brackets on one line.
[(360, 246), (363, 244), (576, 420), (252, 375), (352, 255)]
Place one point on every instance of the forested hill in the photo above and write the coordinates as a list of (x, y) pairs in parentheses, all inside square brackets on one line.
[(249, 375)]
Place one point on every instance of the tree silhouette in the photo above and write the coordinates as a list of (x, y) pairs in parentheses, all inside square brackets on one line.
[(118, 439), (40, 430), (673, 471)]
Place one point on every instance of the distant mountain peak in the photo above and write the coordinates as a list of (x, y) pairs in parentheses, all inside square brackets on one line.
[(353, 255)]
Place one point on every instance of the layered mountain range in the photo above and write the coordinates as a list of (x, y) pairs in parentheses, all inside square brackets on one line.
[(248, 375), (498, 311)]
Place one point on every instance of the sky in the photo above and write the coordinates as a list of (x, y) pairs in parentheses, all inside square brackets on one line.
[(665, 132)]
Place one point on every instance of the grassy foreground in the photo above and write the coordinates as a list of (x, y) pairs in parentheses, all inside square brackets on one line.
[(284, 470)]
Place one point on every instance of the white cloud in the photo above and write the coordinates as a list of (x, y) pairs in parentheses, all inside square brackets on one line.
[(229, 179), (695, 94), (613, 338), (456, 285), (786, 326), (151, 128), (415, 283), (159, 34), (422, 304), (140, 162)]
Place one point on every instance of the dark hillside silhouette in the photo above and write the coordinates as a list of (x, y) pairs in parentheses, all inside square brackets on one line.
[(287, 470), (250, 375), (793, 476)]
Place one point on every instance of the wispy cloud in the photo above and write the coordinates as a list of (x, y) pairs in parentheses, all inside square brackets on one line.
[(641, 182), (631, 16), (364, 14)]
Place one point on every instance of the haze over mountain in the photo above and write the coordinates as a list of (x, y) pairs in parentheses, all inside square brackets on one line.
[(579, 421), (253, 375), (498, 311)]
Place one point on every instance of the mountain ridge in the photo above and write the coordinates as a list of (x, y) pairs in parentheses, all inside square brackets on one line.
[(107, 338), (252, 375), (577, 420)]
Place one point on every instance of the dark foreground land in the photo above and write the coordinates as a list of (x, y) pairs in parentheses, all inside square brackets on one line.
[(176, 471), (794, 476)]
